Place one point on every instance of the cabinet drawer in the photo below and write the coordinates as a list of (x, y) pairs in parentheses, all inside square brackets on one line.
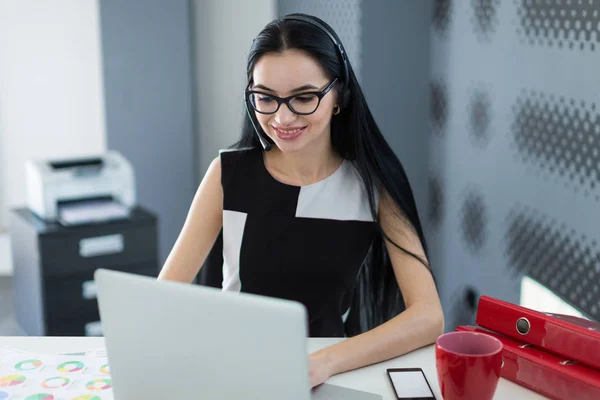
[(88, 325), (75, 295), (108, 245)]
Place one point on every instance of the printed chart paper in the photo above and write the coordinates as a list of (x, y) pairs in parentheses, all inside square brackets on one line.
[(30, 376)]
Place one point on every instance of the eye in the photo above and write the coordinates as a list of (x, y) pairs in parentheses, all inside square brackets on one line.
[(304, 99), (265, 99)]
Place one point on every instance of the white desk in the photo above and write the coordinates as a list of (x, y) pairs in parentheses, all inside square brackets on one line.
[(370, 379)]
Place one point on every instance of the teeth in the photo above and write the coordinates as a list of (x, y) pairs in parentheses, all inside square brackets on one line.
[(288, 132)]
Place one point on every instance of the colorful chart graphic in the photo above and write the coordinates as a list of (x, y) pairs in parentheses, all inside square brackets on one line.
[(56, 382), (11, 380), (3, 395), (70, 366), (87, 397), (99, 384), (105, 369), (28, 365), (41, 396)]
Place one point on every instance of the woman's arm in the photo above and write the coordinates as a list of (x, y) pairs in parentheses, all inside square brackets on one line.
[(201, 228), (419, 325)]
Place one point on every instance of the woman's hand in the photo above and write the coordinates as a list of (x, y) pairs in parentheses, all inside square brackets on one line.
[(319, 370)]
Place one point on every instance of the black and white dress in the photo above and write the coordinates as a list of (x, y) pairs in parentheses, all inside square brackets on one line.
[(302, 243)]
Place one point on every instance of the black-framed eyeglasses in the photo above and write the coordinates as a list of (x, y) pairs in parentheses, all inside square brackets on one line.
[(304, 103)]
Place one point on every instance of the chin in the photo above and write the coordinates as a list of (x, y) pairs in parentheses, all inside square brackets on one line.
[(289, 147)]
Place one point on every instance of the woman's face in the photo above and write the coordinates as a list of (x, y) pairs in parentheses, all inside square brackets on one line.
[(289, 73)]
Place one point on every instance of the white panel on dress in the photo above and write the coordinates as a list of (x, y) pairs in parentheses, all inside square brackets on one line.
[(341, 196), (234, 223)]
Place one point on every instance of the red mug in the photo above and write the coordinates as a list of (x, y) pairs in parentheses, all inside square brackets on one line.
[(468, 365)]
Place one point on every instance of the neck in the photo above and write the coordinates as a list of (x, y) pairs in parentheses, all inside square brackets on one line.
[(304, 167)]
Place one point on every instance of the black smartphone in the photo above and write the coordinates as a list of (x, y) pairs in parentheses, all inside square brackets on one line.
[(410, 384)]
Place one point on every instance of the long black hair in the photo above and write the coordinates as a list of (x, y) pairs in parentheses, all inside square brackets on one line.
[(356, 137)]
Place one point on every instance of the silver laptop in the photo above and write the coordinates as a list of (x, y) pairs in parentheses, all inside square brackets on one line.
[(167, 340)]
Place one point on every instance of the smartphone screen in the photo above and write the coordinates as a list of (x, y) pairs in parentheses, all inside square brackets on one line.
[(410, 384)]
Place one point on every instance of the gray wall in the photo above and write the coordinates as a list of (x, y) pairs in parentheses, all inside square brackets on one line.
[(395, 62), (515, 145), (344, 16), (221, 54), (147, 66)]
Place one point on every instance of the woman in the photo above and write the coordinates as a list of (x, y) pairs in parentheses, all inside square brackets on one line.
[(315, 207)]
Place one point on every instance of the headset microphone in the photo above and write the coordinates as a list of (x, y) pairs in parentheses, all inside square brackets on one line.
[(266, 145)]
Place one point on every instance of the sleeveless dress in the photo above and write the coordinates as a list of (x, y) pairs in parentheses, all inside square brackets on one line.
[(301, 243)]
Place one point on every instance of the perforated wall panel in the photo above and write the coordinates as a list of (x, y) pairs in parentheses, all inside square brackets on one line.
[(515, 145)]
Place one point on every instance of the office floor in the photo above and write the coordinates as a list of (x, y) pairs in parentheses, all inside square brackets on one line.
[(8, 325)]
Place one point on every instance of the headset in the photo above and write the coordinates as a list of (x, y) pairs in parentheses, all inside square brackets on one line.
[(345, 92)]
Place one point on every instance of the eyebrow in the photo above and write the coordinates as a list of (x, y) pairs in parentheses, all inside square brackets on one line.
[(298, 89)]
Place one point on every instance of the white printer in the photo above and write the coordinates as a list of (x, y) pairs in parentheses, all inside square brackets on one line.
[(83, 190)]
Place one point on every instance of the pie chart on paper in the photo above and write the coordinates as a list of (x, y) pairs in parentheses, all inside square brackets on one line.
[(56, 382), (28, 365), (105, 369), (41, 396), (70, 366), (99, 384), (11, 380), (87, 397)]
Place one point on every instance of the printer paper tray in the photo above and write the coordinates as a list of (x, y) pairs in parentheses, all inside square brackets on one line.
[(91, 211)]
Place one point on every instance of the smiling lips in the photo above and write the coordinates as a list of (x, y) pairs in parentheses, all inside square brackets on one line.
[(289, 133)]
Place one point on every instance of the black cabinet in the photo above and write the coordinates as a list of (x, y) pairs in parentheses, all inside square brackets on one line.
[(53, 289)]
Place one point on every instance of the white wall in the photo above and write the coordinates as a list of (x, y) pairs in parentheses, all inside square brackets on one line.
[(51, 91), (223, 35), (536, 296)]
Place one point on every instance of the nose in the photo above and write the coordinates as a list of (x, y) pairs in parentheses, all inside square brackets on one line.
[(284, 115)]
